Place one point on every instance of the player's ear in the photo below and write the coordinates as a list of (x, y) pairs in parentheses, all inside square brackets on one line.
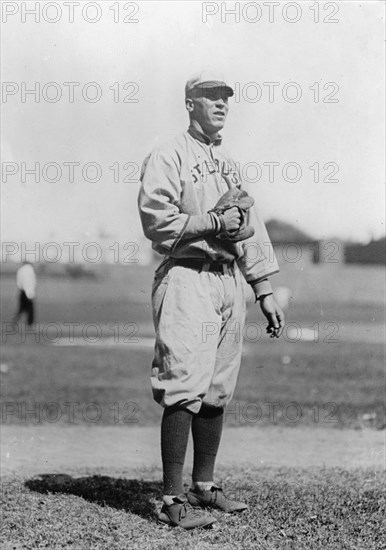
[(189, 104)]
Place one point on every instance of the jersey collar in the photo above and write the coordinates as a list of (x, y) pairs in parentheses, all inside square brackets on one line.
[(203, 138)]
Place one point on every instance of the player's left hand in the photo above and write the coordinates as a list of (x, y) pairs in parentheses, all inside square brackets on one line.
[(274, 315)]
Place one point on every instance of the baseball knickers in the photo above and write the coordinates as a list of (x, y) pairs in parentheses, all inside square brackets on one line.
[(199, 318)]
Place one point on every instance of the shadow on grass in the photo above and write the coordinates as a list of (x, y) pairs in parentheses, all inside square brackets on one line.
[(130, 495)]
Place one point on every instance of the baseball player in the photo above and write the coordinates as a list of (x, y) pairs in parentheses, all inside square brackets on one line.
[(26, 283), (196, 213)]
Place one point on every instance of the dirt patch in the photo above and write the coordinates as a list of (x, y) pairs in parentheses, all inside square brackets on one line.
[(32, 450)]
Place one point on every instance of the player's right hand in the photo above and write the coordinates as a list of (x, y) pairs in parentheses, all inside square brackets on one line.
[(231, 219)]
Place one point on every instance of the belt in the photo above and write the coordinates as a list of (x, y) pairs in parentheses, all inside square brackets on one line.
[(204, 265)]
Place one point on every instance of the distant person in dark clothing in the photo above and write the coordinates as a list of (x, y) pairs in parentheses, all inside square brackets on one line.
[(26, 283)]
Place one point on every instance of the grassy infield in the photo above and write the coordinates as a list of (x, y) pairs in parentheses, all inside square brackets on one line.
[(289, 508)]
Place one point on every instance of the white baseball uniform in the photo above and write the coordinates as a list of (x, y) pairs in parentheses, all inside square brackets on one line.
[(198, 313)]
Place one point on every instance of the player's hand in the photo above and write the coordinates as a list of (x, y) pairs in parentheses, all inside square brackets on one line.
[(231, 219), (273, 314)]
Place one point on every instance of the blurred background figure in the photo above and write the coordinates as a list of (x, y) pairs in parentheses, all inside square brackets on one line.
[(26, 283)]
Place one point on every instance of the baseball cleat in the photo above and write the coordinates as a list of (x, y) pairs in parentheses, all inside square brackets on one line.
[(214, 498), (181, 514)]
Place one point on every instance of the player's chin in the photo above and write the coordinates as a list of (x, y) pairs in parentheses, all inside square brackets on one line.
[(218, 122)]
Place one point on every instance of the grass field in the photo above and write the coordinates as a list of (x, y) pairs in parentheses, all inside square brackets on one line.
[(289, 509), (43, 378), (335, 382)]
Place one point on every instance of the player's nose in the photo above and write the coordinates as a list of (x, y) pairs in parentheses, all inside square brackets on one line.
[(220, 103)]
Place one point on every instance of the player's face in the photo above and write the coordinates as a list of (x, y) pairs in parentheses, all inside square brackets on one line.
[(210, 108)]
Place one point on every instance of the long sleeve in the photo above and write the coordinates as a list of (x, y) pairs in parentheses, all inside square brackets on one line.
[(159, 202), (258, 260)]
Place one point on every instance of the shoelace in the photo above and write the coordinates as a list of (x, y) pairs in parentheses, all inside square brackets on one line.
[(215, 490), (187, 509)]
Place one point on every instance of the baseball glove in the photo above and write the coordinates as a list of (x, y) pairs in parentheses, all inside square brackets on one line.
[(240, 199)]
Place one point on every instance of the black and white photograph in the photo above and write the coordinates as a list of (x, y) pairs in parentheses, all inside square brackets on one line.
[(193, 275)]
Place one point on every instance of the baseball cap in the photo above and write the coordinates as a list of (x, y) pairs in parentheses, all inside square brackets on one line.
[(207, 79)]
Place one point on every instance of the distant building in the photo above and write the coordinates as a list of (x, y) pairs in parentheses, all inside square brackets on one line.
[(372, 253), (291, 244)]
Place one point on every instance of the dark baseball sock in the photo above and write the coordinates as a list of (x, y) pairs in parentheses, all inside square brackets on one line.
[(206, 430), (175, 428)]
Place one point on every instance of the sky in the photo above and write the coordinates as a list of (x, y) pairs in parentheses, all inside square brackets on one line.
[(326, 111)]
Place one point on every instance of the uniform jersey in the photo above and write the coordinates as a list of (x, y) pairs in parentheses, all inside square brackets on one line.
[(181, 181)]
